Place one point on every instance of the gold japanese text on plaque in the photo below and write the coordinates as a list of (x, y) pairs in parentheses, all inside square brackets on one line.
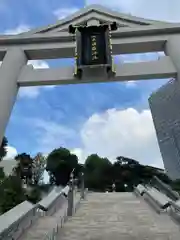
[(94, 52)]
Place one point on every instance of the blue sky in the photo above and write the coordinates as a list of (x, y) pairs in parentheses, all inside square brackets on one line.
[(85, 118)]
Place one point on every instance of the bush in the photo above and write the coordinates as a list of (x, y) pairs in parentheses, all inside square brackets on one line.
[(11, 192), (34, 195)]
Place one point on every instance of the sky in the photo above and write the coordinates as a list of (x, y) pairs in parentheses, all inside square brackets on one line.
[(110, 119)]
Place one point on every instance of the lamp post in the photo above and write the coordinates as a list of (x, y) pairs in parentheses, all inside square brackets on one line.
[(82, 185), (113, 187), (70, 210)]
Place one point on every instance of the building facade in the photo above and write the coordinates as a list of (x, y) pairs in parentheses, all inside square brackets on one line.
[(165, 109)]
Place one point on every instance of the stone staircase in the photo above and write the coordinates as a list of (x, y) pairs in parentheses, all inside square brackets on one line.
[(106, 216), (45, 225)]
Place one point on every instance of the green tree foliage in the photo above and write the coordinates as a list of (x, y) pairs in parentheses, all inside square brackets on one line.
[(38, 168), (3, 150), (127, 161), (2, 174), (126, 173), (24, 168), (60, 163), (45, 188), (11, 192), (52, 179), (97, 172), (34, 195), (100, 173)]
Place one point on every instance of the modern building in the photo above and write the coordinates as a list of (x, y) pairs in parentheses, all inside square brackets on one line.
[(165, 109)]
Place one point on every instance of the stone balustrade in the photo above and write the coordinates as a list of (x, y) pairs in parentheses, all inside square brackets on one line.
[(14, 222), (140, 190), (158, 200), (53, 201), (174, 210)]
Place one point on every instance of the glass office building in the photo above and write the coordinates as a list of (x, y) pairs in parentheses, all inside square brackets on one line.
[(165, 109)]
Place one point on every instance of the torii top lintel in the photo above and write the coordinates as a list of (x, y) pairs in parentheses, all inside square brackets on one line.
[(101, 13), (134, 34)]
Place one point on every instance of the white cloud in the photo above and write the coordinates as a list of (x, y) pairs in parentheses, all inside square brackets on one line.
[(33, 92), (46, 177), (122, 132), (110, 134), (11, 153), (19, 29), (165, 10), (51, 135), (80, 153), (64, 12), (38, 63), (131, 84), (29, 92)]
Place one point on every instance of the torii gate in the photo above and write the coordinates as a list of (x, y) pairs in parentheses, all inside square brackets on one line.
[(134, 35)]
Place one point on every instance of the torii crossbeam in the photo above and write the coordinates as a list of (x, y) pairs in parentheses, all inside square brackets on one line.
[(134, 35)]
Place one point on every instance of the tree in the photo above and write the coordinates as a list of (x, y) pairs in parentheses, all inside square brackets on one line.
[(2, 174), (11, 192), (24, 168), (127, 161), (60, 163), (97, 172), (34, 195), (3, 150), (38, 168), (52, 179)]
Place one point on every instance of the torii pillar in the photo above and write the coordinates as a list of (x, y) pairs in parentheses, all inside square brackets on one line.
[(12, 64), (172, 49)]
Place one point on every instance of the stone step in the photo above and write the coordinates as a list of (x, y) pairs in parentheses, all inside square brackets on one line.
[(45, 225), (106, 216)]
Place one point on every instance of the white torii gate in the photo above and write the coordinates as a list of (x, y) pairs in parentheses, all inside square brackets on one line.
[(134, 35)]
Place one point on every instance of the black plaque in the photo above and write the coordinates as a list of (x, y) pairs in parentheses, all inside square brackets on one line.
[(93, 40)]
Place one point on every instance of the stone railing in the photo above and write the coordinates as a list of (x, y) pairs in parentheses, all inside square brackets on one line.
[(174, 210), (166, 189), (159, 201), (14, 222), (53, 201), (71, 208), (74, 197)]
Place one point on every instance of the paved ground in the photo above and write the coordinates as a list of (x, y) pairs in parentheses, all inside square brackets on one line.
[(118, 216)]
